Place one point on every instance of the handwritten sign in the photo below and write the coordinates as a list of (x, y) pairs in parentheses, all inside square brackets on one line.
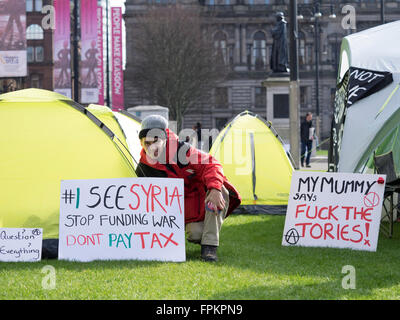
[(338, 210), (122, 219), (20, 244)]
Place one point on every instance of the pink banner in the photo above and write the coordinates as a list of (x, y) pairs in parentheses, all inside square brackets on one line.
[(62, 49), (89, 52), (13, 56), (117, 76), (100, 70)]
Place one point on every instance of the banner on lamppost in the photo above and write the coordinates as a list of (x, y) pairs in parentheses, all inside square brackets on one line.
[(89, 52), (100, 64), (62, 48), (117, 76), (13, 56)]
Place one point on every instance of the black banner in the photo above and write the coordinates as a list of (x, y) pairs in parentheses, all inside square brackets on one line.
[(364, 82), (357, 84), (339, 116)]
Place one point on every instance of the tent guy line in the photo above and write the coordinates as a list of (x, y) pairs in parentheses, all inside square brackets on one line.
[(387, 100)]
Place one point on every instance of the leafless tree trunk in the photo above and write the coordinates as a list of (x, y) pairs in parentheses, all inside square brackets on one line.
[(175, 64)]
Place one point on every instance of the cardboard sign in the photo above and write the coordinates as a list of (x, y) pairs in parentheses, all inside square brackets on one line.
[(122, 219), (339, 210), (20, 244)]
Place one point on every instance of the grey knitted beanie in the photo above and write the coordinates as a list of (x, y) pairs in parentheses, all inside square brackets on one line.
[(153, 122)]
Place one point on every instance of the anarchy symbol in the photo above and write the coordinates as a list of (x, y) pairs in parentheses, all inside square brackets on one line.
[(292, 236), (36, 232)]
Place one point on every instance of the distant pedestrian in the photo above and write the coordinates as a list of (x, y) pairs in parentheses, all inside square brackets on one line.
[(307, 137)]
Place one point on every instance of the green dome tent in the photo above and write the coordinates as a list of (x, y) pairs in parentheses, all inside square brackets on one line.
[(131, 126), (45, 138), (366, 110), (387, 141), (255, 162), (125, 126)]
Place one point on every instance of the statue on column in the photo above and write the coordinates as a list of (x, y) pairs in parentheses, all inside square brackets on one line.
[(279, 56)]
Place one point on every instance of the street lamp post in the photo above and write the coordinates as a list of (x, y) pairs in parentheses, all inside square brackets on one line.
[(294, 87), (317, 15), (315, 10)]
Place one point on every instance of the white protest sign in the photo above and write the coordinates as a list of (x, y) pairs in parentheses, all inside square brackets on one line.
[(20, 244), (122, 219), (340, 210)]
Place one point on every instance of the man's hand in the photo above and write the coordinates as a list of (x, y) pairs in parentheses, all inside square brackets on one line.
[(216, 198)]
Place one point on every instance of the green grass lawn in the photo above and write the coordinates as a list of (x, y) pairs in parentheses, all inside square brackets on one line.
[(253, 265), (322, 153)]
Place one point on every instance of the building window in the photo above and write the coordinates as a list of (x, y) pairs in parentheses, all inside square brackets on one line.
[(221, 47), (248, 56), (38, 5), (281, 106), (333, 94), (259, 51), (230, 54), (35, 54), (35, 81), (220, 123), (30, 54), (260, 97), (221, 97), (302, 49), (34, 32), (39, 54), (305, 96), (217, 2), (309, 54), (29, 5), (34, 5), (334, 42)]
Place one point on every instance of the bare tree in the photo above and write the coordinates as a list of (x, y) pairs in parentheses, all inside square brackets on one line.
[(174, 61)]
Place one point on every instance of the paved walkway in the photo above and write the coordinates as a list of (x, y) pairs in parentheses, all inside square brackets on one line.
[(318, 163)]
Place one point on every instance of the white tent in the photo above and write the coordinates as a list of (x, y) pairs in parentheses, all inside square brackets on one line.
[(367, 102)]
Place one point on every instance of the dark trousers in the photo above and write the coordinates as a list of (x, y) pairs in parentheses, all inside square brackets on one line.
[(306, 151)]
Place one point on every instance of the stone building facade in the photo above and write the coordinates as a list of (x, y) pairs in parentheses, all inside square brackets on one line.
[(241, 29), (39, 47)]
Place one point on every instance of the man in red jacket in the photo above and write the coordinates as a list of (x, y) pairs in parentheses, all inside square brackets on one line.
[(209, 197)]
